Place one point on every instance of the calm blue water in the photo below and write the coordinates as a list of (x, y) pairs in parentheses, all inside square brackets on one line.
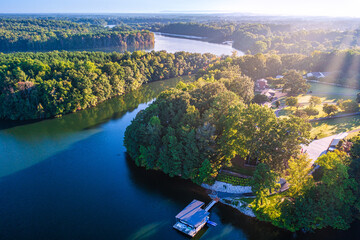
[(69, 178)]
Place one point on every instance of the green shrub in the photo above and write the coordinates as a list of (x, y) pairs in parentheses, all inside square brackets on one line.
[(311, 111), (235, 181)]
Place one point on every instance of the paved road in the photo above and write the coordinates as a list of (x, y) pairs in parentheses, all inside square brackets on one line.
[(319, 147), (353, 131)]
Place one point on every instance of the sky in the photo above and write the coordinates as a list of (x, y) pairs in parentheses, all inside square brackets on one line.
[(348, 8)]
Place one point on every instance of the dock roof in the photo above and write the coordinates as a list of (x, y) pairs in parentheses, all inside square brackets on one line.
[(190, 209), (197, 218), (192, 213)]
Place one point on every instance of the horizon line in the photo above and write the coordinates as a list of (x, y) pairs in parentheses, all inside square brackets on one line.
[(190, 12)]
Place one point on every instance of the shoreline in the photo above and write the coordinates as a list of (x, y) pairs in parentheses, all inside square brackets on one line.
[(231, 196), (227, 188)]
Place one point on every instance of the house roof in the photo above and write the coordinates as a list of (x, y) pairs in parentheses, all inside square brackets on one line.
[(268, 92), (316, 74), (193, 214), (261, 80), (337, 139)]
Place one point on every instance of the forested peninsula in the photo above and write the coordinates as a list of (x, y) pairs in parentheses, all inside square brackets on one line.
[(196, 130), (47, 35), (186, 131), (44, 85)]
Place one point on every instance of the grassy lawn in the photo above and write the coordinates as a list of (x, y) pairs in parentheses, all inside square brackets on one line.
[(235, 181), (243, 171), (328, 94), (247, 200), (290, 110), (334, 126), (332, 92), (351, 135)]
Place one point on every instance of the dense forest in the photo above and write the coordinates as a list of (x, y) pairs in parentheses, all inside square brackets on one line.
[(46, 35), (195, 129), (211, 32), (43, 85)]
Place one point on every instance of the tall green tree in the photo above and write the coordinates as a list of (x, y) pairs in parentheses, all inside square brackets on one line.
[(329, 109), (299, 176), (264, 183), (295, 84)]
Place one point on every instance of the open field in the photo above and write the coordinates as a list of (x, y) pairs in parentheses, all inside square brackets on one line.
[(328, 94), (332, 92), (334, 126)]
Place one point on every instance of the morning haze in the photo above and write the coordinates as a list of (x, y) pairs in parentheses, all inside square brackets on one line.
[(179, 119)]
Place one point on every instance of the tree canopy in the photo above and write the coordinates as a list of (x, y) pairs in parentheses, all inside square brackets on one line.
[(194, 130), (43, 85), (46, 35)]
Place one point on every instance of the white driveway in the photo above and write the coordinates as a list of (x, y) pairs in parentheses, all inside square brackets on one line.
[(317, 147)]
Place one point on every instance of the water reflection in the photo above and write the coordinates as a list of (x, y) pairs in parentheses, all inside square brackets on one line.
[(23, 144), (147, 231)]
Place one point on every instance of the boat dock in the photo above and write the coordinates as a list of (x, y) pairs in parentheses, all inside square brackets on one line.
[(193, 217), (211, 204)]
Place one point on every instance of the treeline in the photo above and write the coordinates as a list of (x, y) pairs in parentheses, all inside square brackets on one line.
[(341, 67), (28, 80), (211, 32), (263, 38), (299, 41), (46, 35), (196, 129), (43, 85)]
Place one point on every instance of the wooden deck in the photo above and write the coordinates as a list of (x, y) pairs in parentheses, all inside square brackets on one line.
[(211, 204)]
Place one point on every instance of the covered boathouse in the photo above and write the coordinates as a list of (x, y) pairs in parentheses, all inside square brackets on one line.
[(192, 218)]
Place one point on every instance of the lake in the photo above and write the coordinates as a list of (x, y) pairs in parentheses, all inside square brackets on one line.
[(70, 178), (176, 44)]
